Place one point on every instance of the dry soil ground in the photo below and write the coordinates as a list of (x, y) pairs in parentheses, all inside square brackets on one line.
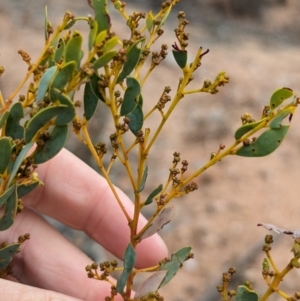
[(219, 220)]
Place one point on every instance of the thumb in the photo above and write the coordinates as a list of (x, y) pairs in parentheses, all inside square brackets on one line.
[(14, 291)]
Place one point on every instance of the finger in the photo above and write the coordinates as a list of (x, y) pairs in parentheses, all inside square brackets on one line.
[(49, 261), (77, 196), (13, 291)]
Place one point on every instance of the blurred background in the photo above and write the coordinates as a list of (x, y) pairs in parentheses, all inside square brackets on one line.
[(257, 43)]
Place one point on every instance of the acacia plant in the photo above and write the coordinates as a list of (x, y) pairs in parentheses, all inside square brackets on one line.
[(112, 74)]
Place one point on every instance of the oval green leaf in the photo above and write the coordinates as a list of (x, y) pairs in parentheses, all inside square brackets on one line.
[(165, 17), (94, 79), (132, 58), (265, 144), (92, 34), (52, 146), (42, 119), (243, 293), (136, 119), (101, 14), (73, 51), (5, 195), (100, 37), (131, 96), (70, 24), (180, 57), (143, 181), (7, 253), (64, 75), (276, 121), (279, 96), (10, 211), (104, 59), (5, 153), (62, 98), (69, 113), (110, 44), (173, 266), (246, 128), (129, 261), (13, 128), (149, 21), (60, 51), (90, 101), (18, 163), (24, 189), (153, 194), (45, 83)]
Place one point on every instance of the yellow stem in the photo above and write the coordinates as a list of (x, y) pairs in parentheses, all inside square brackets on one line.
[(59, 29), (275, 283), (272, 262), (99, 163), (150, 269)]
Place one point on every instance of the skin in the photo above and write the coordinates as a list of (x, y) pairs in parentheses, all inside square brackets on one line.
[(49, 267)]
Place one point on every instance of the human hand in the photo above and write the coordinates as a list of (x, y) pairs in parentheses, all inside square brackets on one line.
[(49, 267)]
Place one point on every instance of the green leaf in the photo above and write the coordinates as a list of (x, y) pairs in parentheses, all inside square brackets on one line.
[(132, 58), (151, 284), (165, 17), (131, 96), (62, 98), (173, 266), (243, 293), (60, 50), (70, 24), (153, 194), (129, 261), (42, 119), (69, 113), (13, 128), (5, 153), (64, 75), (276, 122), (24, 189), (10, 211), (149, 21), (94, 79), (45, 83), (73, 51), (247, 128), (100, 37), (136, 117), (265, 144), (93, 33), (90, 101), (3, 119), (6, 194), (180, 57), (279, 96), (101, 14), (52, 146), (144, 178), (6, 254), (110, 44), (104, 59), (18, 163)]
